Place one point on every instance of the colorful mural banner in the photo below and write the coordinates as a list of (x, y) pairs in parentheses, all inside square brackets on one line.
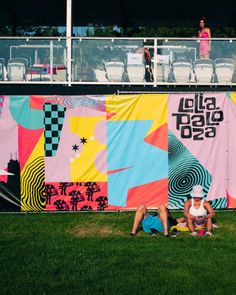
[(115, 152)]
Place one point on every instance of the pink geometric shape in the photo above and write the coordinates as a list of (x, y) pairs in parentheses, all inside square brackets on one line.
[(101, 161), (231, 151), (100, 131), (53, 165), (9, 135), (57, 168)]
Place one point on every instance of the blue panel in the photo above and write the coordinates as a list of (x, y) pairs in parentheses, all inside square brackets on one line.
[(126, 148), (24, 115)]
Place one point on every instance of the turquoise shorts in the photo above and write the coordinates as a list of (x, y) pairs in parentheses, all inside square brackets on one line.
[(152, 222)]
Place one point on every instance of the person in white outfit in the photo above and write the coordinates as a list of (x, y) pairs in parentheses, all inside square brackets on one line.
[(198, 211)]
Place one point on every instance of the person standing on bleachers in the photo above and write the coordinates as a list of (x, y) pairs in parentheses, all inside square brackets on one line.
[(205, 45)]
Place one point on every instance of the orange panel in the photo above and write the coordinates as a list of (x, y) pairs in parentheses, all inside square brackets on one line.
[(159, 138), (151, 194)]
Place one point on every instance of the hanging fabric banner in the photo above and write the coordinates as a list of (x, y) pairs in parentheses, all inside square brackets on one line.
[(115, 152), (201, 150)]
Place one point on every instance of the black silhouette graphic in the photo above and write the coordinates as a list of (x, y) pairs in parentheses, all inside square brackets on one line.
[(10, 191), (86, 208), (92, 188), (75, 147), (61, 205), (76, 197), (63, 186), (102, 203), (50, 191), (83, 140)]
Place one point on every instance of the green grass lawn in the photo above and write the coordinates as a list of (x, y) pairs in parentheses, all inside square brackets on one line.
[(92, 253)]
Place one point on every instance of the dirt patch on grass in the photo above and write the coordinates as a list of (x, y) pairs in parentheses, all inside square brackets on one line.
[(87, 230), (9, 234), (228, 227)]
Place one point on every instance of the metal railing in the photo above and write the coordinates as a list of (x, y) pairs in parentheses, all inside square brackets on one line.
[(118, 61)]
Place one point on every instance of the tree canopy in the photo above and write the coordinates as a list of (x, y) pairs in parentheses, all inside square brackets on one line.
[(114, 31)]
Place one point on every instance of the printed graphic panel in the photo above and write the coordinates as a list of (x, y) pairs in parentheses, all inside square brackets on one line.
[(116, 152)]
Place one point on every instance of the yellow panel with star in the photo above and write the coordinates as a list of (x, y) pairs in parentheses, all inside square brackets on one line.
[(83, 166)]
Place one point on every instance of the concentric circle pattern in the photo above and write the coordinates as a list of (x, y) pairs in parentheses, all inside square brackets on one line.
[(185, 171)]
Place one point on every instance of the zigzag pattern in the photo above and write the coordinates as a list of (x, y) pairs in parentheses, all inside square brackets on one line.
[(32, 186)]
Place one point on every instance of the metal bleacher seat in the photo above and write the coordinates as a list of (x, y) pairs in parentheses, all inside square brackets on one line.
[(163, 68), (17, 68), (182, 68), (135, 67), (2, 69), (204, 70), (114, 69), (224, 69)]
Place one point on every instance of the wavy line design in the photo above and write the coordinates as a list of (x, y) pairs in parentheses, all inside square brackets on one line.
[(92, 102), (32, 186), (185, 171), (220, 203)]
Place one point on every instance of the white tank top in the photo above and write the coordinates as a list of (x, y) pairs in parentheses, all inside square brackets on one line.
[(201, 211)]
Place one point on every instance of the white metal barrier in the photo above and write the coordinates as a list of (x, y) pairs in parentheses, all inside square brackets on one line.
[(117, 61)]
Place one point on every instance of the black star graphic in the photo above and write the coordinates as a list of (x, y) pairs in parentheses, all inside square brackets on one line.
[(75, 147), (83, 140)]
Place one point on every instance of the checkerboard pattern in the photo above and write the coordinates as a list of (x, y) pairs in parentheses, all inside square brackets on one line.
[(1, 105), (53, 122)]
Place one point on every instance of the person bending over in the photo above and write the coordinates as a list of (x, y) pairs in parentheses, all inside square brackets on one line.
[(198, 211)]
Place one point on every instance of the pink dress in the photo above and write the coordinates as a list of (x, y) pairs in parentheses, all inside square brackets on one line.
[(204, 44)]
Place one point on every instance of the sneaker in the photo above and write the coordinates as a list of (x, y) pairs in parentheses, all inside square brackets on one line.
[(214, 225), (208, 233), (132, 234), (153, 231), (194, 233), (174, 233)]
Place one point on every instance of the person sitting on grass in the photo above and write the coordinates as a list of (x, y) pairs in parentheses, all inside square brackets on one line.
[(198, 211), (151, 224), (176, 221)]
